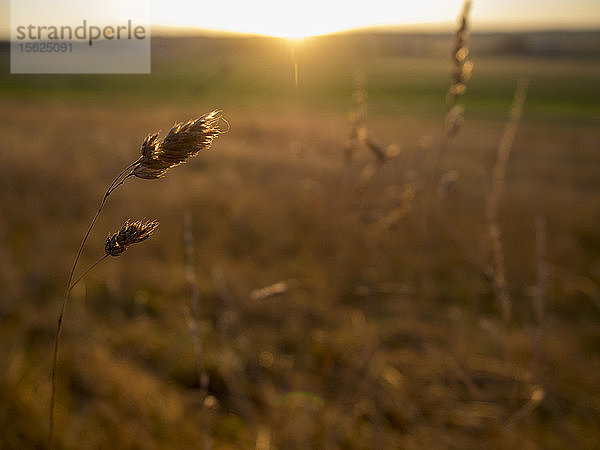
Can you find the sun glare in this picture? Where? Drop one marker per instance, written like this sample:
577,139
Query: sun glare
287,28
296,19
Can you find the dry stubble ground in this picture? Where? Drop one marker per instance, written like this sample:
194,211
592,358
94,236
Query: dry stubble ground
386,337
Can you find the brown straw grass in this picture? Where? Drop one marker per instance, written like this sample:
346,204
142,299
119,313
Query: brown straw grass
130,233
192,316
184,141
462,68
357,117
359,133
498,269
539,293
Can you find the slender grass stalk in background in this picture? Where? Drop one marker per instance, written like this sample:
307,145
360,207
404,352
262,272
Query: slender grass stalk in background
359,133
192,315
357,116
462,68
461,65
537,391
498,269
182,142
193,312
539,295
360,136
539,307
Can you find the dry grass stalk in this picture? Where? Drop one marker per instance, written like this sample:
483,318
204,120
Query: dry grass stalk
359,133
182,142
539,304
357,117
462,68
539,295
228,325
130,233
192,314
495,196
118,181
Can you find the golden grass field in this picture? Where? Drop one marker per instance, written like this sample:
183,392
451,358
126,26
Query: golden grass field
383,332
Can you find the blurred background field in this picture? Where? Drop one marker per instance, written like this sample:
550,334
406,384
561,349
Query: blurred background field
380,329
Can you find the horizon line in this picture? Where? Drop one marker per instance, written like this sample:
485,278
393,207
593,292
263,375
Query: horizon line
161,30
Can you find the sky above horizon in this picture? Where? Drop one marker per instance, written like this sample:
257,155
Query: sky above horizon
302,18
309,17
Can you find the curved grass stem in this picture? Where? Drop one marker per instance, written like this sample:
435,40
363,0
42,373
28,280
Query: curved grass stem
118,181
86,271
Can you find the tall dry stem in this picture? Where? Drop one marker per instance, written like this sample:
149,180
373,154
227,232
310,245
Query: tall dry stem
182,142
539,295
462,68
495,197
539,302
192,314
130,233
359,133
118,181
357,116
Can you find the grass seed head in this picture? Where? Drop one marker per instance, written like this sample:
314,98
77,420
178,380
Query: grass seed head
130,233
462,67
182,142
